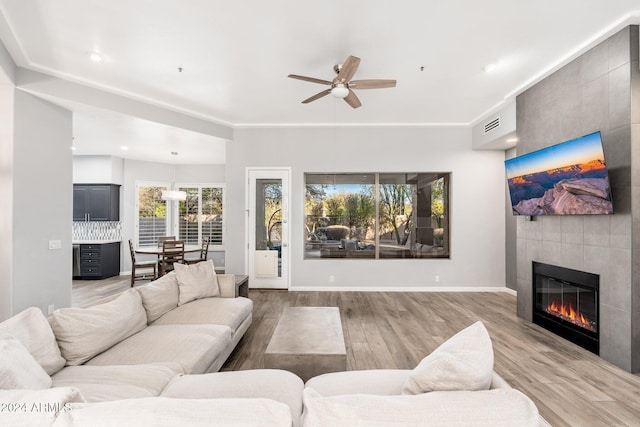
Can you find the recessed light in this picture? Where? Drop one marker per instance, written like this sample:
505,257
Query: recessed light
95,56
512,140
490,67
124,148
73,148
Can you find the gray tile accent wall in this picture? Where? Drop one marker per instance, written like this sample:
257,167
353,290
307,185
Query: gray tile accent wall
598,91
633,238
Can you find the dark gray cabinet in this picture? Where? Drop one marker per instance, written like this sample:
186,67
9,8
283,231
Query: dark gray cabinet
99,261
96,202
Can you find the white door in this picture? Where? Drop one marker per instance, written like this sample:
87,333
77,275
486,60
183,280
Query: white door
268,228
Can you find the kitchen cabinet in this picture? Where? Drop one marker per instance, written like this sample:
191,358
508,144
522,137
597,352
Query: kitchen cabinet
99,261
96,202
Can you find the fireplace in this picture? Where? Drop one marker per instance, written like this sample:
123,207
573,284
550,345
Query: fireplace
565,302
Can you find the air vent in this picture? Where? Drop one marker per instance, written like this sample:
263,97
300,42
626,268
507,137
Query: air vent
493,124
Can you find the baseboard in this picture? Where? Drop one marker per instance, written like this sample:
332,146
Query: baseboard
403,289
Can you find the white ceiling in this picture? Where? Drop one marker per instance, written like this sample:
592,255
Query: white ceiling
236,56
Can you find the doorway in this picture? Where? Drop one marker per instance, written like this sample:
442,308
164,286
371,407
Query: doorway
268,227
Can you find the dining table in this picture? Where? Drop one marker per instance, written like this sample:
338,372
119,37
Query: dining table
157,250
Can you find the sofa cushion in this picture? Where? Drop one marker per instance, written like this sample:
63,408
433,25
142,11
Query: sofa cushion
167,412
32,329
194,347
463,362
373,381
196,281
36,407
103,383
159,296
18,369
278,385
490,408
84,332
229,312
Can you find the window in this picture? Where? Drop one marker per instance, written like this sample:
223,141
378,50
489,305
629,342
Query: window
201,214
378,215
151,213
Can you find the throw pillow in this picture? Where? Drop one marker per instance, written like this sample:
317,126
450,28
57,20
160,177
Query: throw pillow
33,330
463,362
84,332
18,369
159,296
196,281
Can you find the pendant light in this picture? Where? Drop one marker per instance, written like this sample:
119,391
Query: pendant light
174,194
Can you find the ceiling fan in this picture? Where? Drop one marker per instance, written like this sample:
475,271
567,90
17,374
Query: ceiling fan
342,86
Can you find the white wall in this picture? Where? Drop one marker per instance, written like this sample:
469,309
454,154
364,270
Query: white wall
42,203
7,76
97,170
477,200
6,192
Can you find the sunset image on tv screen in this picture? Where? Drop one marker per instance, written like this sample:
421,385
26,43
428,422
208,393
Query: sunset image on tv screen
565,179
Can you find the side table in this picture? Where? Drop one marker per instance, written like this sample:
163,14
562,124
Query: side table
242,286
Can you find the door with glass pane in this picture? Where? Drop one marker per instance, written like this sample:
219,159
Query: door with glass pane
268,228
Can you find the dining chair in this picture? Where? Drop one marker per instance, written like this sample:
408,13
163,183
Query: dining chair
172,252
162,239
204,253
141,265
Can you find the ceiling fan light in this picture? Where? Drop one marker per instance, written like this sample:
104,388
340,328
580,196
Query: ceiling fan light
340,91
173,195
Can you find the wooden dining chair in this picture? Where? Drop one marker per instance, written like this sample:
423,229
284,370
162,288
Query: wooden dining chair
149,268
162,239
172,252
204,253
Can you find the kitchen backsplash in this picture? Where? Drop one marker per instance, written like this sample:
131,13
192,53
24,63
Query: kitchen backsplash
97,230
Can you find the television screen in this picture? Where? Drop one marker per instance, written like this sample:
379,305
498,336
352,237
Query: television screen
565,179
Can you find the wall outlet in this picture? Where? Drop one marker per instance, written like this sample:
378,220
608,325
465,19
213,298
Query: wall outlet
55,244
50,309
332,278
437,279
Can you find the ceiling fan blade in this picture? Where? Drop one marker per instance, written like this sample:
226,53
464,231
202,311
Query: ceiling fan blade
317,96
353,100
309,79
372,84
348,70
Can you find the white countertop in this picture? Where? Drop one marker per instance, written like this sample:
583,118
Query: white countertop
93,242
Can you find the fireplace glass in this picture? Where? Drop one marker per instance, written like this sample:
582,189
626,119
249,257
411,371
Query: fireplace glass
566,303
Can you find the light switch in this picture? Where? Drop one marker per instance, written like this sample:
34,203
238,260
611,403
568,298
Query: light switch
55,244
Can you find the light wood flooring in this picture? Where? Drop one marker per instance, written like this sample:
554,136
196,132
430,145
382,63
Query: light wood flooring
570,386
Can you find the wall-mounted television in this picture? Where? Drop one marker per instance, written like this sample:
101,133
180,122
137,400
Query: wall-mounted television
569,178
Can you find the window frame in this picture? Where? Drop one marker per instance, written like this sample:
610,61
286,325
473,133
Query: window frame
417,250
157,184
176,214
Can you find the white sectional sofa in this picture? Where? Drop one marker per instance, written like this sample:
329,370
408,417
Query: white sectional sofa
148,356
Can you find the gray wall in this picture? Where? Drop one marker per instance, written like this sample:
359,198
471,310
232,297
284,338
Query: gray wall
477,200
591,93
42,204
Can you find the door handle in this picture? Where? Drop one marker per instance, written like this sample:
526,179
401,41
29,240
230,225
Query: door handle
284,245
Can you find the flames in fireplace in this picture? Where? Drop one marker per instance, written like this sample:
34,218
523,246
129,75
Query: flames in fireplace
568,313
